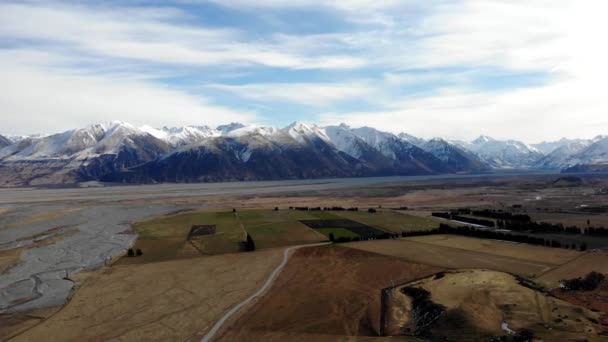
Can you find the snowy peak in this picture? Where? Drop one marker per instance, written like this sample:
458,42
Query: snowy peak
411,139
482,139
250,130
4,141
345,140
504,153
224,129
546,147
303,133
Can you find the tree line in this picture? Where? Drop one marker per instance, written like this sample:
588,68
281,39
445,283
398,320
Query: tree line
469,232
518,223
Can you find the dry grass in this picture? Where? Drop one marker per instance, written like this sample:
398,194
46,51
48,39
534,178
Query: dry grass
581,266
331,293
168,301
478,301
451,257
553,256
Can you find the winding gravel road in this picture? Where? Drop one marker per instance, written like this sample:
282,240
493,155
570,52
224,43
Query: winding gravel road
271,278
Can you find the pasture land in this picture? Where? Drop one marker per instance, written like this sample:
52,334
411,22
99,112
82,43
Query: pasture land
166,237
581,266
552,256
391,221
270,228
167,301
453,258
338,232
329,292
478,302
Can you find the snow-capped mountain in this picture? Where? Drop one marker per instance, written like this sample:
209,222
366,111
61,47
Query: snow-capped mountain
250,153
596,152
411,139
546,147
4,141
404,156
179,136
504,154
120,152
78,154
224,129
455,157
561,156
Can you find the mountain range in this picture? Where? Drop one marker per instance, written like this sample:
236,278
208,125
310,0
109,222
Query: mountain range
119,152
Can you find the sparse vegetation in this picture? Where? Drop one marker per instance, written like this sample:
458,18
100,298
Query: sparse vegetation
588,283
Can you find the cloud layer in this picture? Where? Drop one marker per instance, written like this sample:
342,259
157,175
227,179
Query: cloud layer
531,70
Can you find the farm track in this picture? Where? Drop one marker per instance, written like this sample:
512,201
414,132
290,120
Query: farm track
271,278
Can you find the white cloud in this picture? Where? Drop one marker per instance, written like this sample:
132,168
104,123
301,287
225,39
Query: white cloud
309,94
532,114
391,44
38,100
154,36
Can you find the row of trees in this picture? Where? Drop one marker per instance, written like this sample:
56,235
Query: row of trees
518,223
343,239
455,216
329,209
501,215
133,253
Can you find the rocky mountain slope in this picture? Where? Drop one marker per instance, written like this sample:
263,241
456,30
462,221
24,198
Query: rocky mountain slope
120,152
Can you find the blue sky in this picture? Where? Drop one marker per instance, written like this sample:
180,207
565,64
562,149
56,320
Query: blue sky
531,70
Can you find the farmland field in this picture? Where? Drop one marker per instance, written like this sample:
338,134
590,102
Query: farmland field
553,256
392,221
454,258
338,232
167,301
166,237
329,292
276,228
478,302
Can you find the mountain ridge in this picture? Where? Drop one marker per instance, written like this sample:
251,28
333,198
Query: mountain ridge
120,152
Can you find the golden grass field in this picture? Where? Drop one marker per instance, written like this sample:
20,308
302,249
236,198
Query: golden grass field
453,253
477,302
329,293
167,301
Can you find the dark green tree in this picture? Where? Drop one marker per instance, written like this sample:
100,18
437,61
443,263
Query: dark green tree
331,237
249,244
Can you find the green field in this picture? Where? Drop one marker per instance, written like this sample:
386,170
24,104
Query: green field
270,228
338,232
390,220
165,237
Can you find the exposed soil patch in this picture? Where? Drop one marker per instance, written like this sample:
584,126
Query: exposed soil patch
201,230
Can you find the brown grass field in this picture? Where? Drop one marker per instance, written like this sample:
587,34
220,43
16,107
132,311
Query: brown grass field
166,301
581,266
477,302
455,257
327,293
553,256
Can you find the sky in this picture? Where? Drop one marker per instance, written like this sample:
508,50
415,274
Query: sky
530,70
